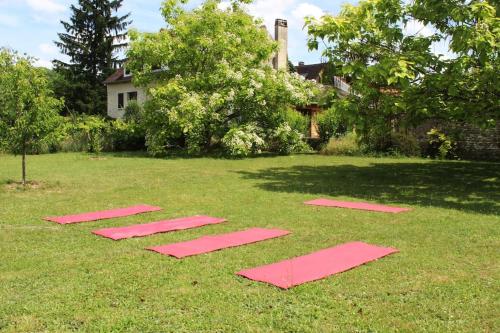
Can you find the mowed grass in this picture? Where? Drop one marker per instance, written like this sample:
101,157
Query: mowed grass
62,278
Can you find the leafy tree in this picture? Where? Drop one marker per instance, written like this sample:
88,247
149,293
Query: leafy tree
94,35
29,113
366,43
207,73
466,88
397,80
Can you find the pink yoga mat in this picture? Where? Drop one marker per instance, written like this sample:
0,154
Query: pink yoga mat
103,215
141,230
208,244
318,265
356,205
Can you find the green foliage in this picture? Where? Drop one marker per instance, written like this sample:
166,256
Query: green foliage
29,114
286,140
466,88
125,136
215,77
440,145
395,143
404,144
242,141
133,112
52,144
80,96
331,124
366,43
397,80
297,121
344,145
93,130
129,134
94,35
94,134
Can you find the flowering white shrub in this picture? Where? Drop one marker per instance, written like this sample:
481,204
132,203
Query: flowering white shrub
222,88
286,140
242,141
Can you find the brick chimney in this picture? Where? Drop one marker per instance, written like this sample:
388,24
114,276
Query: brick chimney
281,36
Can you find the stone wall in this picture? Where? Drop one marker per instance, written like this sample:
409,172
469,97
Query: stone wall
472,142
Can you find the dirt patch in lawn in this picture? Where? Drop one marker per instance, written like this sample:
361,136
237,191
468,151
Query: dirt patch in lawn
12,185
98,158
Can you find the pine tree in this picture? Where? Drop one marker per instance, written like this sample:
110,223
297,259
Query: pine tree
94,36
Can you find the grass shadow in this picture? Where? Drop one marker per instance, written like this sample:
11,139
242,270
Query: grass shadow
467,186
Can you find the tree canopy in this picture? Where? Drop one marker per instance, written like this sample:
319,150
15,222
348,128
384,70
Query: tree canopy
209,71
397,79
468,84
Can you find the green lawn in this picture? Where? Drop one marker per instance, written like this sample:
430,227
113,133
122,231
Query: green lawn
63,278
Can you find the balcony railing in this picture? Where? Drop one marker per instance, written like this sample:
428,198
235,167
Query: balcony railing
341,85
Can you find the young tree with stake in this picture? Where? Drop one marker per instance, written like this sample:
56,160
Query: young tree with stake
29,113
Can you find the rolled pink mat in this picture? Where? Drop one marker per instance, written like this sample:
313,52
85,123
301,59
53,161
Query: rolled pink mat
141,230
103,215
208,244
317,265
357,205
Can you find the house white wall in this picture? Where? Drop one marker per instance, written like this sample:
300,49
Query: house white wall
114,89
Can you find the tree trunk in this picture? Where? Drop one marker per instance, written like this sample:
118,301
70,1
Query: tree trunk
24,166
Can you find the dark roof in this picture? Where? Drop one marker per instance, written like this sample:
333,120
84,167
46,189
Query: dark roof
311,72
118,77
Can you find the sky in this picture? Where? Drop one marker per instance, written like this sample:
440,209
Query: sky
31,26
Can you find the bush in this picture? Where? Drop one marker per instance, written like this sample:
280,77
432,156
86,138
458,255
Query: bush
125,136
345,145
74,142
297,121
92,134
133,112
285,140
440,145
242,141
85,133
93,130
330,125
384,141
404,144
